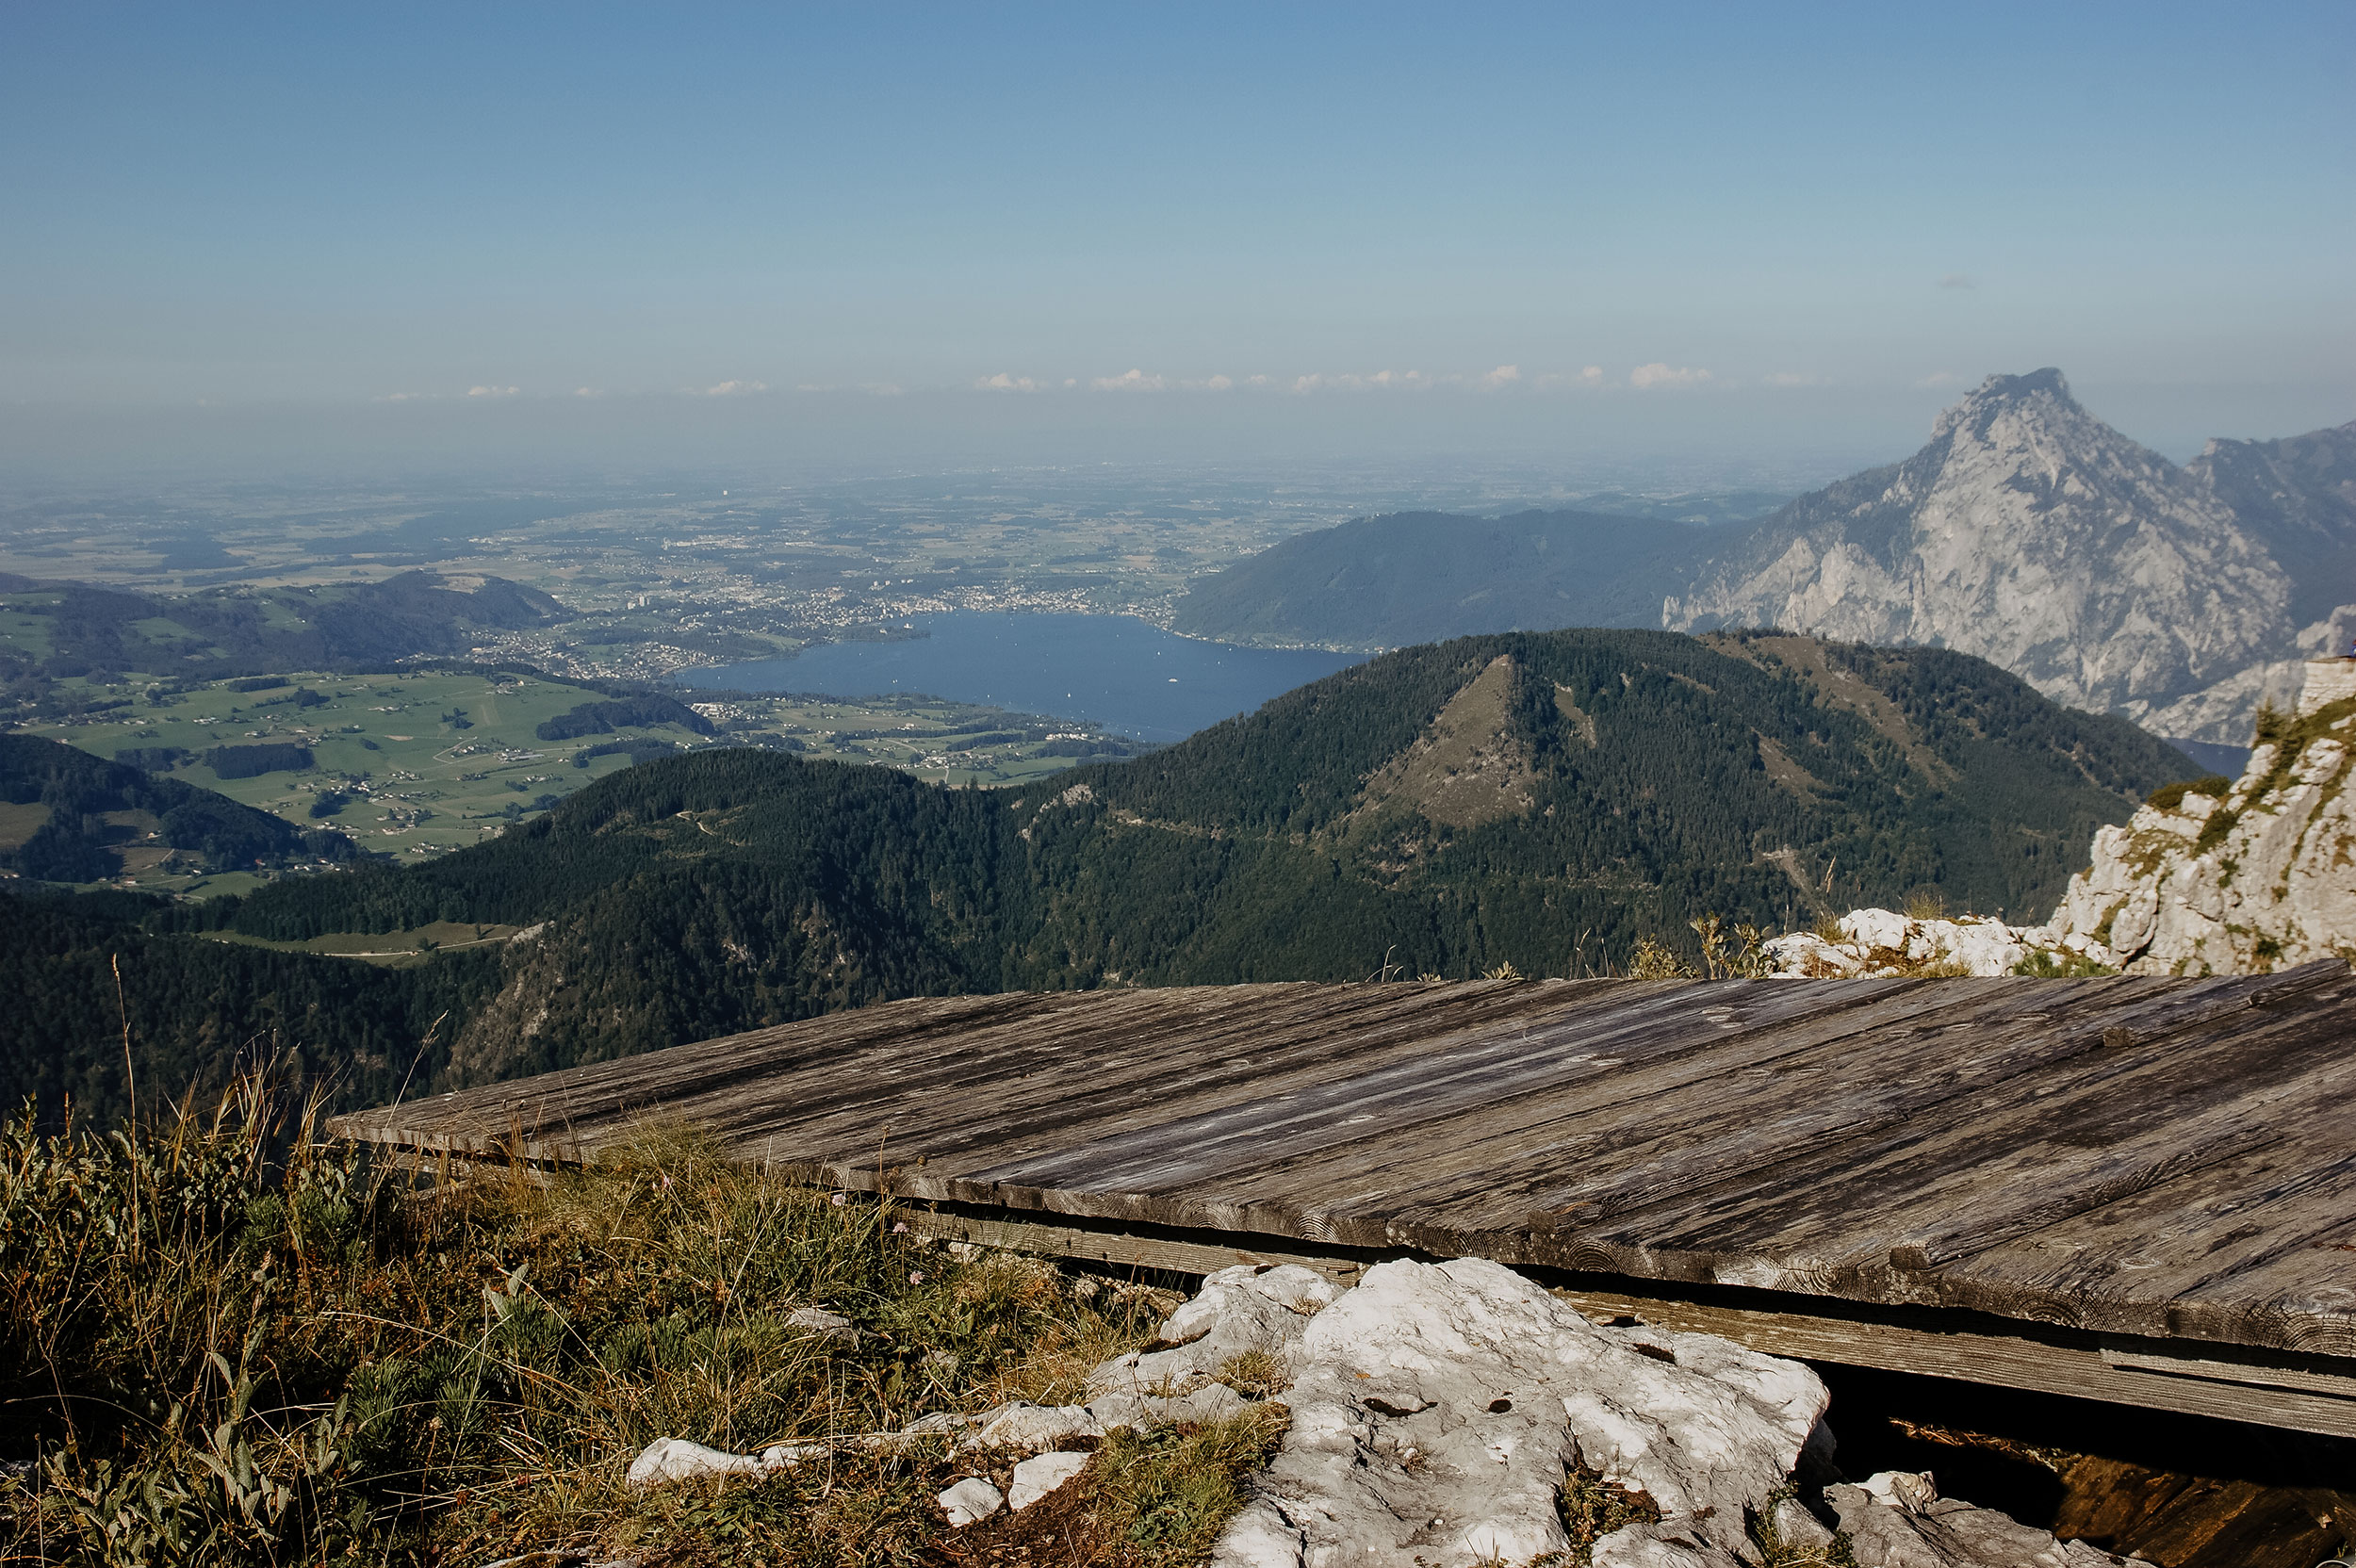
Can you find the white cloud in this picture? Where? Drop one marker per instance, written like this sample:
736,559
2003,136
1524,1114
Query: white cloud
490,391
1592,376
1132,380
1256,380
1005,383
403,397
1348,380
1940,377
735,389
587,392
1792,378
872,388
1658,374
1216,384
1504,375
1959,279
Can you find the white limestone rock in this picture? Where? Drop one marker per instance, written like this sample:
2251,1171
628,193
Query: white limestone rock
939,1422
1031,1427
1438,1409
1042,1474
1798,1530
2274,888
669,1460
827,1325
1142,1413
1239,1311
970,1502
1882,942
1898,1520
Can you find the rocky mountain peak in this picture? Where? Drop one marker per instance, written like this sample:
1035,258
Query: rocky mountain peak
2045,391
2029,532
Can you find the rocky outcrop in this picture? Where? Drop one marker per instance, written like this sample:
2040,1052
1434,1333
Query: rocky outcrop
1438,1412
2032,535
1456,1416
2244,877
1883,942
1897,1519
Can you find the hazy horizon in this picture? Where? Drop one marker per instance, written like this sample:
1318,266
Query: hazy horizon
439,239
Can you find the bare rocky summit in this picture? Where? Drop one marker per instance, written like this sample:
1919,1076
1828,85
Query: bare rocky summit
2031,533
2255,874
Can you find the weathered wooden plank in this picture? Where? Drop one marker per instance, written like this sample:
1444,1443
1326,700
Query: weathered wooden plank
1945,1111
1582,1124
2116,1370
1454,1074
2151,1377
1141,1075
1126,1250
2125,1120
1876,1139
2133,1264
1635,1126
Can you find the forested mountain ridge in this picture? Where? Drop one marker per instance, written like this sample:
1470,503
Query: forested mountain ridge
1423,576
73,628
67,816
1537,799
2298,498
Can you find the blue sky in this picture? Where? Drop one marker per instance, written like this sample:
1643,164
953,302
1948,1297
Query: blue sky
1662,225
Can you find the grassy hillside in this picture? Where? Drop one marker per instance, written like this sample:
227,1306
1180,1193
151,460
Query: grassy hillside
1538,800
1419,577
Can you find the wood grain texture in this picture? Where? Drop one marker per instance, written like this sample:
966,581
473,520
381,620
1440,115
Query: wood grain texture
2173,1159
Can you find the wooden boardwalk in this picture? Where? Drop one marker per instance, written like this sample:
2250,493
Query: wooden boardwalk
2123,1170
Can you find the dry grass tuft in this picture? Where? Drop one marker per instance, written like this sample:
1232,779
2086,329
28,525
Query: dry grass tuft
225,1342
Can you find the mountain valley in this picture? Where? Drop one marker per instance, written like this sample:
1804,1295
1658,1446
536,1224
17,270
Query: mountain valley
1532,801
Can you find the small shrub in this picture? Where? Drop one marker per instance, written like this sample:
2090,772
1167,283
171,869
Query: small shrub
2169,796
1257,1374
1653,961
1165,1496
1592,1508
2042,965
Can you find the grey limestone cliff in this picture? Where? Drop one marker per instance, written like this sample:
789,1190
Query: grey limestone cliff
2032,535
2245,876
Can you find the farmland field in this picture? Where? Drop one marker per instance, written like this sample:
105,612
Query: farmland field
419,763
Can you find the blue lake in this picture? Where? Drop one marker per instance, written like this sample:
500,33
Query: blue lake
1124,674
